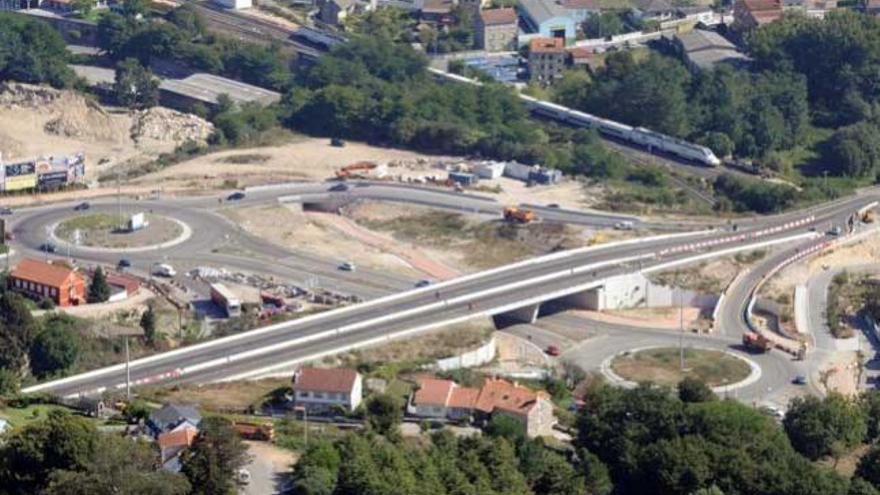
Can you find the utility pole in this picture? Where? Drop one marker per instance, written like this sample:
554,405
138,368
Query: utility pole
681,329
118,198
127,372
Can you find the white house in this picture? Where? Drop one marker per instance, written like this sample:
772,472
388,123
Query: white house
321,389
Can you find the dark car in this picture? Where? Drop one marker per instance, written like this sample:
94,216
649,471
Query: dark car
800,380
553,205
423,283
552,350
82,206
48,247
339,143
339,187
5,210
236,196
123,263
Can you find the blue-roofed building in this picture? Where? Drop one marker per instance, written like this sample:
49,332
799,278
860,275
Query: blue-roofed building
548,18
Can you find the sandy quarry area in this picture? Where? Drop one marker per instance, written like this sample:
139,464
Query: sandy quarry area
41,121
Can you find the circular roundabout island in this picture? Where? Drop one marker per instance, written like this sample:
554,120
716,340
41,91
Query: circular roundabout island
108,231
661,366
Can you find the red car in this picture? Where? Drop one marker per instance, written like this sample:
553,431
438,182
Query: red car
552,350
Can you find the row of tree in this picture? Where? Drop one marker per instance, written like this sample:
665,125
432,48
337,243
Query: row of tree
32,52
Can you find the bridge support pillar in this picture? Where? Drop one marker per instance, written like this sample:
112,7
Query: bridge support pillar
525,314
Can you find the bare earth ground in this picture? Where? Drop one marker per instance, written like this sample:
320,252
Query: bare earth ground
41,121
219,397
662,318
287,225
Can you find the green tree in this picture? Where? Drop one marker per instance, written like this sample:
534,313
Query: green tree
859,486
214,458
10,383
854,151
597,479
32,51
503,426
827,427
868,467
870,401
603,25
17,331
188,20
317,470
148,324
99,289
32,453
384,413
118,467
83,7
692,389
135,86
55,350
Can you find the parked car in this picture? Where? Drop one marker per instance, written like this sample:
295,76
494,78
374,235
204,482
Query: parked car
553,205
624,225
552,350
123,264
341,187
243,477
423,283
48,247
82,206
800,380
236,196
339,143
5,210
348,266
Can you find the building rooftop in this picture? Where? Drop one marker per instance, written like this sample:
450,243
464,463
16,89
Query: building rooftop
208,87
506,396
325,379
546,45
495,17
49,274
705,49
542,10
433,392
176,414
179,437
762,5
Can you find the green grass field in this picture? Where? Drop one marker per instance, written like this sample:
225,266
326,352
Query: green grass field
661,366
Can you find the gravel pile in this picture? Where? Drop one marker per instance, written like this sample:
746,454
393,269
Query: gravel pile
165,125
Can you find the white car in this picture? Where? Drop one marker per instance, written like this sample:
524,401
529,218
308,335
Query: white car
348,266
243,477
163,270
625,225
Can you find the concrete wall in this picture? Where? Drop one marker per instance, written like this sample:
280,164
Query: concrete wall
513,348
636,291
482,355
74,31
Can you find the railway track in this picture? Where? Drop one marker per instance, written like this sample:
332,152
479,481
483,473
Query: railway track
253,30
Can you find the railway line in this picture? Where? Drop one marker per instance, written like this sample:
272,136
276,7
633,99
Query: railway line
253,30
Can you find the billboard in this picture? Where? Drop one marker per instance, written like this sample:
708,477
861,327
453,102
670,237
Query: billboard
46,172
137,222
20,182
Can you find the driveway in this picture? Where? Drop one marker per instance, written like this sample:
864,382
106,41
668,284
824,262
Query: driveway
269,467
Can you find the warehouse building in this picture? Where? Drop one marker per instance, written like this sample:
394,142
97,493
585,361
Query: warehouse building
547,18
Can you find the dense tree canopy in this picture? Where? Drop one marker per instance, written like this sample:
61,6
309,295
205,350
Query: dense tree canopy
32,51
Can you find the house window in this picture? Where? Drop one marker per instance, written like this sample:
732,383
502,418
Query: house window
303,394
318,395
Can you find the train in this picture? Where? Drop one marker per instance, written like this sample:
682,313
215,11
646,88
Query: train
653,141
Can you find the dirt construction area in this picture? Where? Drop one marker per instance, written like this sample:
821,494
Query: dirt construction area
42,121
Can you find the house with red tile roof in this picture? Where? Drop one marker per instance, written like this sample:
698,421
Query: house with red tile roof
446,399
173,442
496,30
320,390
53,280
750,14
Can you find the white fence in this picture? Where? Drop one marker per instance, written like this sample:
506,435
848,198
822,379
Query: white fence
482,355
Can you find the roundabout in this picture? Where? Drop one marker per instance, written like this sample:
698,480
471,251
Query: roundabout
110,232
721,370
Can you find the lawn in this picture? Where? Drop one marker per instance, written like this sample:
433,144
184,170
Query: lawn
25,415
661,366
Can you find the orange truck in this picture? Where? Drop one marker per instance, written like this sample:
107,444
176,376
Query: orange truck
358,169
254,431
756,342
513,214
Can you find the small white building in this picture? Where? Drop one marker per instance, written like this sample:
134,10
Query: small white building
235,4
321,389
489,170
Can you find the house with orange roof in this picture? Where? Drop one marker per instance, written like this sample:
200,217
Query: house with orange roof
437,398
750,14
173,443
51,280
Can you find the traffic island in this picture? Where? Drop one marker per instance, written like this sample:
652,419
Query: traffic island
108,231
662,366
